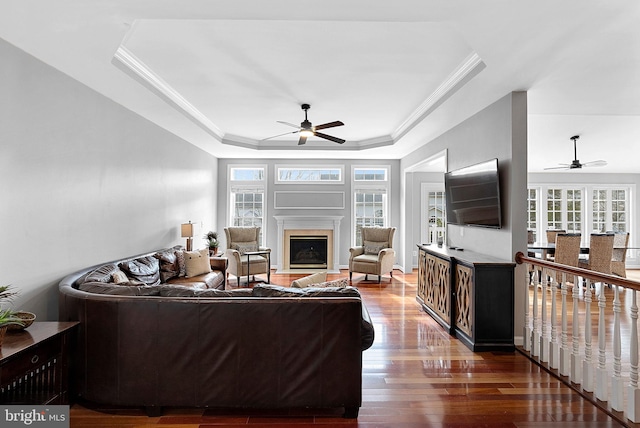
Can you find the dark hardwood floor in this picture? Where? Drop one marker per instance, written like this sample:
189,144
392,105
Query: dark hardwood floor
415,375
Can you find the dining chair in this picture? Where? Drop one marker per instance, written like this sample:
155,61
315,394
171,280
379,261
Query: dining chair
567,251
619,256
551,234
551,238
600,253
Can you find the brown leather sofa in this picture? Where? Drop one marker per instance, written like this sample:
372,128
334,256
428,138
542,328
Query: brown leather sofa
265,347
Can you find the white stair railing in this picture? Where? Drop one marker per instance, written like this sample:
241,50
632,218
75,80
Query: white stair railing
609,378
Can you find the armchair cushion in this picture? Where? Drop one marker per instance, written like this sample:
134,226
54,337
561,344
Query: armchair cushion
245,247
373,247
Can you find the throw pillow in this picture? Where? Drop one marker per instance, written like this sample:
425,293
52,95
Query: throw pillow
102,274
309,281
197,262
340,282
119,277
245,247
182,267
169,267
373,248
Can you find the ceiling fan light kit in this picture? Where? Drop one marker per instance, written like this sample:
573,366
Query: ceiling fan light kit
306,129
575,163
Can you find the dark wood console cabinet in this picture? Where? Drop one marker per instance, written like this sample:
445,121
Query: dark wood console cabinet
34,364
470,294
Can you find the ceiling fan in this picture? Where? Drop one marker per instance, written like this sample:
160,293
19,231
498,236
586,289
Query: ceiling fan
306,129
575,164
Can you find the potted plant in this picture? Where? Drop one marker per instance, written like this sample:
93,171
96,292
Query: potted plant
7,316
212,242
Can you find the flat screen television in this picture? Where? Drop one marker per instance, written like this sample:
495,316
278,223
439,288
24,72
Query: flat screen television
473,195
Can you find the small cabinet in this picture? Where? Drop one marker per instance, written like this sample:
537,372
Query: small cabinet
434,288
34,364
469,294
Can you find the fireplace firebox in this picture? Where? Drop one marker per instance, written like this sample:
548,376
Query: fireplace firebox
308,252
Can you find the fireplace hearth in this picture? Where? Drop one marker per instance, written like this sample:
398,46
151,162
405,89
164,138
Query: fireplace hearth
308,252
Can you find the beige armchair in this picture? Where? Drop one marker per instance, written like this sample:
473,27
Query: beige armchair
376,255
242,243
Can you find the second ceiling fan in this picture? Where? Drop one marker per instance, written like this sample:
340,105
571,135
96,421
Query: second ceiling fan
575,164
306,129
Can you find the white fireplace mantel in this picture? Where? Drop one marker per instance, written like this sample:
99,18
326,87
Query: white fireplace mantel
301,222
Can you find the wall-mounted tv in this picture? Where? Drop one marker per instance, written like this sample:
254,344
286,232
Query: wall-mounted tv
473,195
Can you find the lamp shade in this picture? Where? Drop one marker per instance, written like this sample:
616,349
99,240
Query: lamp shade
187,230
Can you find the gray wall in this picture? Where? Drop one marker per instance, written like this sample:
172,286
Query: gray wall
346,225
498,131
83,180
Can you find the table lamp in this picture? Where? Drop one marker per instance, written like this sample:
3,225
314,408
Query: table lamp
187,232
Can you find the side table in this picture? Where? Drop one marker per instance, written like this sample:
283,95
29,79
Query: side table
34,364
258,253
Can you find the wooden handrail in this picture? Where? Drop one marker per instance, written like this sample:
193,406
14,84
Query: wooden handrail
585,273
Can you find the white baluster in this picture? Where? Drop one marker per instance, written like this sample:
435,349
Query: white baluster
564,335
617,385
602,378
544,343
536,327
587,364
633,393
554,348
527,333
575,373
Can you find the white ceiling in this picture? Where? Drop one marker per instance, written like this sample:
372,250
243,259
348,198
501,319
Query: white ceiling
220,74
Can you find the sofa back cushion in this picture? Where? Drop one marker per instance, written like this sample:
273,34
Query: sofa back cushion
144,269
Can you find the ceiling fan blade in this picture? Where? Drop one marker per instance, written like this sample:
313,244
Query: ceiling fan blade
329,125
288,124
302,140
595,163
280,135
329,137
559,167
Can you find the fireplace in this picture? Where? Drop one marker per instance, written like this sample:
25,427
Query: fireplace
315,227
308,252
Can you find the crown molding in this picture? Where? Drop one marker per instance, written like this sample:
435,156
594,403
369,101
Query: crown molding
469,68
135,67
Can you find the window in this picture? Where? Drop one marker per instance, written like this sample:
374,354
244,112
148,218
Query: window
309,175
585,210
532,213
370,174
370,204
246,196
433,222
609,210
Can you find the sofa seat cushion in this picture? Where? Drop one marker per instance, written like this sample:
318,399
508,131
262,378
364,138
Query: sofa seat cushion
135,289
213,279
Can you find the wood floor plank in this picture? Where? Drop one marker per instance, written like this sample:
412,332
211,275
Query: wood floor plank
414,375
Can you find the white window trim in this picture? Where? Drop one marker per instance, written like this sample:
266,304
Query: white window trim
587,200
314,167
249,184
425,188
369,185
